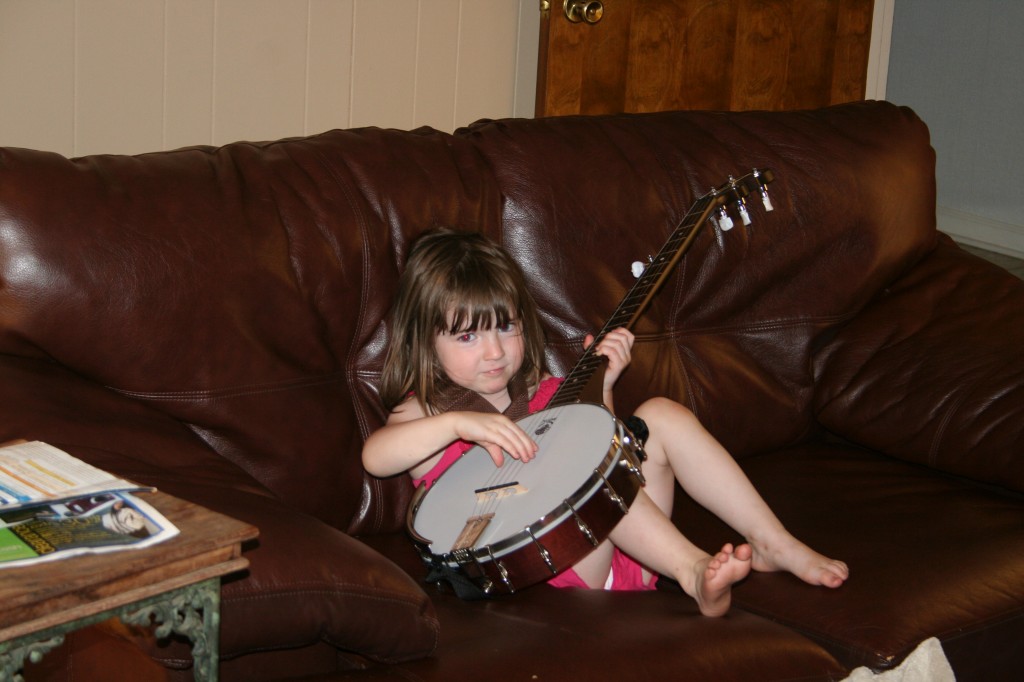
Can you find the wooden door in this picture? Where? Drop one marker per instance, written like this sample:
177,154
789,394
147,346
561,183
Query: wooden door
655,55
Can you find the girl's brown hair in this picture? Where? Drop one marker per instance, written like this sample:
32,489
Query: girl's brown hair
454,282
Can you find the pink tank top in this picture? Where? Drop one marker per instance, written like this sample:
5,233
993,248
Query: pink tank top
457,449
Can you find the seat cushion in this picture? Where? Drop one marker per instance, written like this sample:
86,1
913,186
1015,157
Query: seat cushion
894,524
545,633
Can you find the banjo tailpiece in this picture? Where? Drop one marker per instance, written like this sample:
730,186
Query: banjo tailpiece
475,525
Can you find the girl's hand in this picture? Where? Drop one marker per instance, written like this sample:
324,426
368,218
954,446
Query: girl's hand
495,433
617,346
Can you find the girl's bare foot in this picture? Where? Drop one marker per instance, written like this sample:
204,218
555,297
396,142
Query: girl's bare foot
794,556
716,575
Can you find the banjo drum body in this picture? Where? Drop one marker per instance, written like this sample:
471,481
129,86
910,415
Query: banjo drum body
506,528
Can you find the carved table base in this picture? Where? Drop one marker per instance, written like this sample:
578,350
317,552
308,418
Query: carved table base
192,611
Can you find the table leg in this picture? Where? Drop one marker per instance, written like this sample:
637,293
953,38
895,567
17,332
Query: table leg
192,611
14,654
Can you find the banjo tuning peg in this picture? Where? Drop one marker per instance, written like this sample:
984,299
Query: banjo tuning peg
724,220
741,209
762,183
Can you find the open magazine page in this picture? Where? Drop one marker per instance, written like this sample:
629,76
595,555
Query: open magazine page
35,472
91,524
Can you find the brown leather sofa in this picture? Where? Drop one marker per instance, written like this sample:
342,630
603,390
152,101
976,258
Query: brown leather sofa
210,321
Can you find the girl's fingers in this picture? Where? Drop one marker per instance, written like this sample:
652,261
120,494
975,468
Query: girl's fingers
615,352
513,440
620,339
498,435
496,454
524,447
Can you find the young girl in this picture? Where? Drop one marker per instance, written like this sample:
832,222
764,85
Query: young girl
467,360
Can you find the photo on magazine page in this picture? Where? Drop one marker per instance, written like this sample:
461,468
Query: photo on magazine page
94,523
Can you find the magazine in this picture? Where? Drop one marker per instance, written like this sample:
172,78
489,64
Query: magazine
32,472
53,506
104,522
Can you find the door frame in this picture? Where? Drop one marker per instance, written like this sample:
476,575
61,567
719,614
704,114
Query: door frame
878,56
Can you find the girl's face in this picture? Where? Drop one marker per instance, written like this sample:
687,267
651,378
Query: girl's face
483,361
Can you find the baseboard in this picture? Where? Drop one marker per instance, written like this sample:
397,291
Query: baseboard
981,232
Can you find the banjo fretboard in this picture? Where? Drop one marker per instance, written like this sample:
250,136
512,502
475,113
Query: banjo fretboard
733,193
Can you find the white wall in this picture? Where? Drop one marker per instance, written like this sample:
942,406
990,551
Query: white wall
959,65
126,76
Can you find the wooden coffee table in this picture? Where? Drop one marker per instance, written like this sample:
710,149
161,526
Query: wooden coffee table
175,584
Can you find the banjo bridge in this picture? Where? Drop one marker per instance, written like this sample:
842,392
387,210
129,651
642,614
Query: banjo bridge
496,492
475,525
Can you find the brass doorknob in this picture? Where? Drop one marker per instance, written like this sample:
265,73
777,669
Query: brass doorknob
582,10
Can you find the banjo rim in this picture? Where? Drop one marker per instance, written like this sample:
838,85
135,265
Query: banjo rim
622,451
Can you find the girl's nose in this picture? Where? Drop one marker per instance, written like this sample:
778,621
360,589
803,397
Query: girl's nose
493,348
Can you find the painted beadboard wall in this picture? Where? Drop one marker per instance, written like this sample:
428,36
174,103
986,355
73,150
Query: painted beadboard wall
128,76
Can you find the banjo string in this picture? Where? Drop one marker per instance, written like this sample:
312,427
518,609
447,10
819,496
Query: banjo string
501,476
508,473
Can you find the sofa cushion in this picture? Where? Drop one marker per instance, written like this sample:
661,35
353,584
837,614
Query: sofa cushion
928,376
307,584
546,633
929,555
239,290
732,331
316,583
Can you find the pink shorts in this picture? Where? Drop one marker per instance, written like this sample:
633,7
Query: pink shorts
627,575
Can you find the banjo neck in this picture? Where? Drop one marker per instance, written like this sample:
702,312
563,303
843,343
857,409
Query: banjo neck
584,381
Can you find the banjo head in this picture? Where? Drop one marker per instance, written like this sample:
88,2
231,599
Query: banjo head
579,444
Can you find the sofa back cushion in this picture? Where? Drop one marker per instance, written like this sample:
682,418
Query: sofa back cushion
240,289
732,331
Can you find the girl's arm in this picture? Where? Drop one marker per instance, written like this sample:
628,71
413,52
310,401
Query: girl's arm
413,441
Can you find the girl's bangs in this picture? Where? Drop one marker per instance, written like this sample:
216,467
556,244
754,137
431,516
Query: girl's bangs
478,311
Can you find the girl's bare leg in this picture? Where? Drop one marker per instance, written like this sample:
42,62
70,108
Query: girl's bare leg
647,535
680,449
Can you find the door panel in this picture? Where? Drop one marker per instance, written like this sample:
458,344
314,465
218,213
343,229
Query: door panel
651,55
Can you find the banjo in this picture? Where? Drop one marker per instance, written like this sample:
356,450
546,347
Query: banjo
494,530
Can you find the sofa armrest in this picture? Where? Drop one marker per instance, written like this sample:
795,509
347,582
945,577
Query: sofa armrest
42,400
307,584
932,372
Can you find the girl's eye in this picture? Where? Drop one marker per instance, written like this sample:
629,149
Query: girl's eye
464,338
509,326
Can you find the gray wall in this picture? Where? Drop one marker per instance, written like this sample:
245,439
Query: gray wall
960,65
